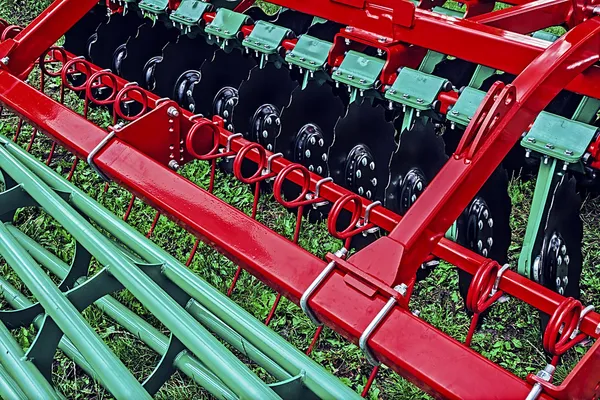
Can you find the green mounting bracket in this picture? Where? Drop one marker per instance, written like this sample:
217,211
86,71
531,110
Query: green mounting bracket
452,233
536,214
359,71
416,89
266,39
189,14
154,7
466,106
558,137
226,25
309,53
547,36
480,75
431,60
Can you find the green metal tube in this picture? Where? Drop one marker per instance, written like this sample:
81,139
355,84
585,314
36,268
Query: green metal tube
153,338
28,377
9,390
196,338
109,368
17,300
319,380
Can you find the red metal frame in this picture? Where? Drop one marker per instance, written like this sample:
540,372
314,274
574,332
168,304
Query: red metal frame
410,346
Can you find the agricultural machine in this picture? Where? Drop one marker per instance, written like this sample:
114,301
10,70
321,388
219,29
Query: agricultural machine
394,122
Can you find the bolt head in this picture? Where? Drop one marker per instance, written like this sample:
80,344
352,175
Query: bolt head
372,166
265,134
490,242
361,190
480,225
374,181
369,194
491,223
307,153
5,60
324,157
321,142
173,112
358,173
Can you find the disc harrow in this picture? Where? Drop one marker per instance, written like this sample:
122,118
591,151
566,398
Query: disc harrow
394,125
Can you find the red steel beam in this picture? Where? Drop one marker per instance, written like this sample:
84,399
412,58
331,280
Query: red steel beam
529,17
415,349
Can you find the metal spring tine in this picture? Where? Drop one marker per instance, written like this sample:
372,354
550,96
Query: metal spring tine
129,208
18,130
72,170
192,253
32,139
370,381
51,155
154,222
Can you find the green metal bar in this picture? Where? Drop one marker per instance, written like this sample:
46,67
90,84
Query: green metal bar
109,368
9,390
121,314
318,380
536,214
17,300
28,377
196,338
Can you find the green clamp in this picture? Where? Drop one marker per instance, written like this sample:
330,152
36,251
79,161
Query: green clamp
466,106
154,7
416,89
189,14
266,37
558,137
309,53
359,71
227,24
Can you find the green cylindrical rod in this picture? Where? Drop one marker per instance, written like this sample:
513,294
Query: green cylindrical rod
154,339
28,377
109,368
9,390
235,374
320,381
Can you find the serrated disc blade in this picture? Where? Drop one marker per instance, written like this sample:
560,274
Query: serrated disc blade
419,157
364,127
297,22
109,36
265,86
147,43
307,125
76,38
184,55
223,70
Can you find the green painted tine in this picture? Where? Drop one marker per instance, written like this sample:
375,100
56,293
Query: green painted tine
196,338
115,376
23,371
317,379
9,390
153,338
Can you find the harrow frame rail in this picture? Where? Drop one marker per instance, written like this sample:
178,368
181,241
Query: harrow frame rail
404,342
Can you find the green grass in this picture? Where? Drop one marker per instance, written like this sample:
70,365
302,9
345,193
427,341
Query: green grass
509,336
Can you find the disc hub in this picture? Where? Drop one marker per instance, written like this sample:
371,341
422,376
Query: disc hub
412,186
310,148
184,89
224,103
361,174
480,227
551,267
266,125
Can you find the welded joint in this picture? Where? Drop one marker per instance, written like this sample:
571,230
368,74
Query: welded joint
364,338
315,284
98,148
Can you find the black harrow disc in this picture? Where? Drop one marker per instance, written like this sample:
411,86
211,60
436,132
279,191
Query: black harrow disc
178,69
360,157
484,225
307,125
558,258
110,36
76,38
145,45
419,158
220,77
261,99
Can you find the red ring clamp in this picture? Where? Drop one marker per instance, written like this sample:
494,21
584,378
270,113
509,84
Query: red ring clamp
259,175
52,51
353,227
558,337
122,95
98,76
73,63
302,199
200,127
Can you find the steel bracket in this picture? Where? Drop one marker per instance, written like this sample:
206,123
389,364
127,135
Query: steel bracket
558,137
416,89
189,14
359,71
466,106
266,37
155,7
227,24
